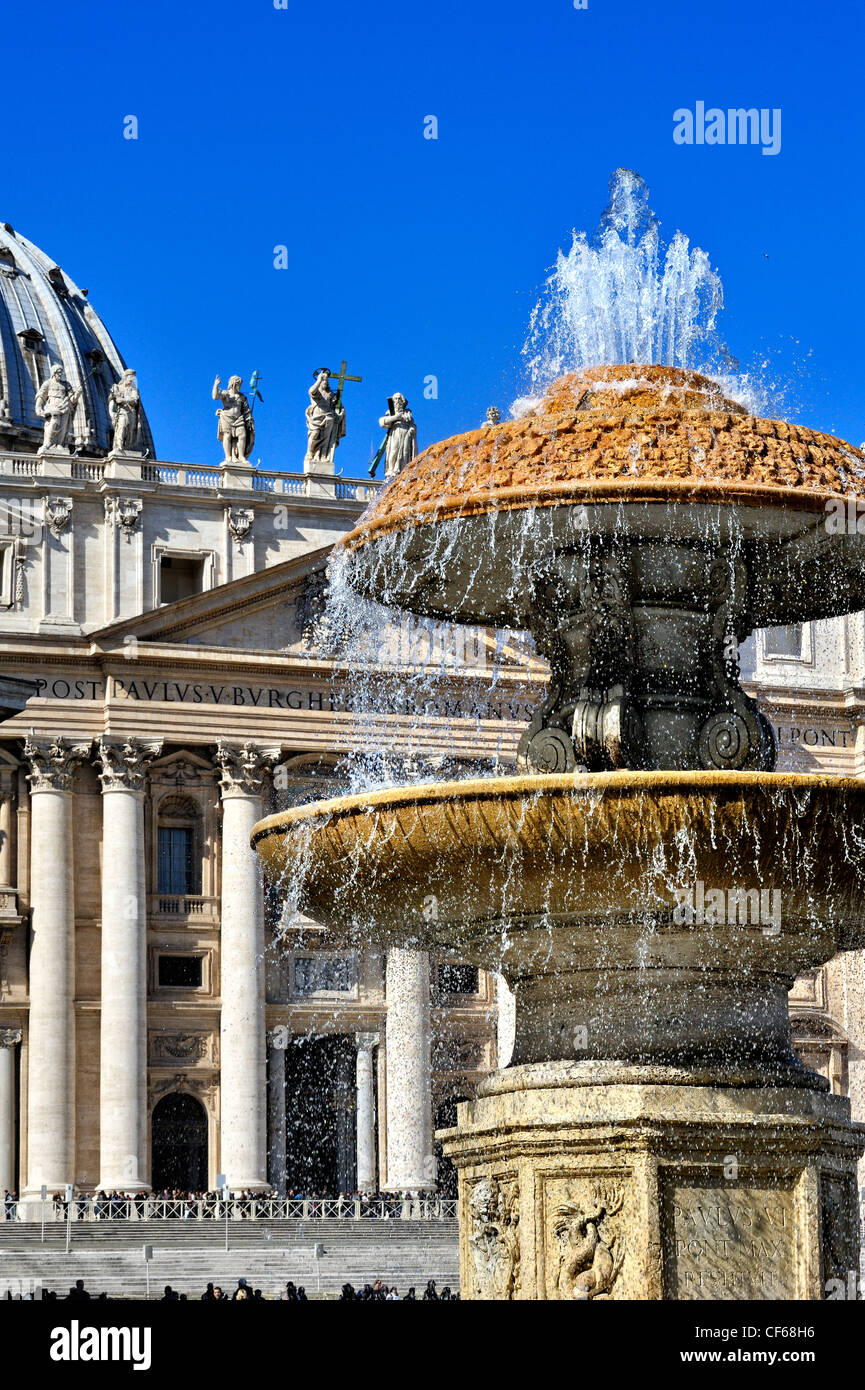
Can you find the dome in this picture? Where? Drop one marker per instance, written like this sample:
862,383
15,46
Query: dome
46,319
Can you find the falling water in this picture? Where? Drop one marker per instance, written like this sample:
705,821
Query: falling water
621,297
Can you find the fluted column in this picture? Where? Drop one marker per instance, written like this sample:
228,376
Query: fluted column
410,1159
243,1076
9,1039
276,1041
365,1113
123,1029
51,1032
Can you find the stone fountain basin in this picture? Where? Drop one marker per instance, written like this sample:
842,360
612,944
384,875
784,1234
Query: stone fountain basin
568,884
438,565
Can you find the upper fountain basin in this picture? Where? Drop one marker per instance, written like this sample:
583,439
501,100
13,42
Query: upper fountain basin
646,454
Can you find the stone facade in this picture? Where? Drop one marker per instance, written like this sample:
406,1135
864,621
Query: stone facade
129,718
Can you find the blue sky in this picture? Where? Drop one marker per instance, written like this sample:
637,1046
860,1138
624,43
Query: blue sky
410,257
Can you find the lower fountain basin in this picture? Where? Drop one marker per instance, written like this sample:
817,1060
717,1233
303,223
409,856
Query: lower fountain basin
642,917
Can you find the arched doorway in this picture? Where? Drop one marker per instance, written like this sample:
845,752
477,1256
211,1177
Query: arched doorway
179,1144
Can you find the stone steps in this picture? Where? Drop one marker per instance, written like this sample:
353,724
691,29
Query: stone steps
187,1255
25,1236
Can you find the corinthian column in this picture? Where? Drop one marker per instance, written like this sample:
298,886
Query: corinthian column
51,1033
9,1039
243,1068
123,1028
410,1159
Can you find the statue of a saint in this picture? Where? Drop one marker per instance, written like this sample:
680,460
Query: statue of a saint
124,407
236,421
325,419
401,445
55,404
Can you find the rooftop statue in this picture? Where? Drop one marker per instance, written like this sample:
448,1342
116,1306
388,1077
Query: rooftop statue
55,404
401,442
124,407
236,423
325,419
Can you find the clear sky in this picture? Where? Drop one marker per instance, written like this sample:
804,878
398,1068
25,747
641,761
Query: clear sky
304,127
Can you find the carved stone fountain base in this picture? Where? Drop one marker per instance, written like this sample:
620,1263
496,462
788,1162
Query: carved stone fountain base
582,1180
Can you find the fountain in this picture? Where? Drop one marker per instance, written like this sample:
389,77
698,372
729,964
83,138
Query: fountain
647,883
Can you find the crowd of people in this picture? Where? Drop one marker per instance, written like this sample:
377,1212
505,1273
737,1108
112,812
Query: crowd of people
377,1292
175,1203
380,1293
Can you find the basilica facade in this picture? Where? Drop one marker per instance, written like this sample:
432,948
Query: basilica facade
160,1023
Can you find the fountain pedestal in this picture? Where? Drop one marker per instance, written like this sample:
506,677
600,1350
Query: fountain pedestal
578,1180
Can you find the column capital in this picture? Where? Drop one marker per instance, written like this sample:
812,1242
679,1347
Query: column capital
365,1042
243,766
123,762
10,1037
53,761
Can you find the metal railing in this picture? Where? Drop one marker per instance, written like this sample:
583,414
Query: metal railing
244,1208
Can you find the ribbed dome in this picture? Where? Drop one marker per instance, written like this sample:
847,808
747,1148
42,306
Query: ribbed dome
46,319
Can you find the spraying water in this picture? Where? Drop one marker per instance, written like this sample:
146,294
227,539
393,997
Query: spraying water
623,297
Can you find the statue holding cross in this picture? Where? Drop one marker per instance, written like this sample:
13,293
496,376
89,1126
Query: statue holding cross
325,416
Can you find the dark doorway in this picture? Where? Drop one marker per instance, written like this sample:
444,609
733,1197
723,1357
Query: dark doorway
179,1144
446,1173
320,1115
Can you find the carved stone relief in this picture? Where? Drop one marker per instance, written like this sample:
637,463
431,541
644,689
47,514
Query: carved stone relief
585,1238
494,1238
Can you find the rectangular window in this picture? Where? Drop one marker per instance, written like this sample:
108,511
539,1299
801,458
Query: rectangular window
458,979
179,577
786,641
175,860
180,972
324,974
